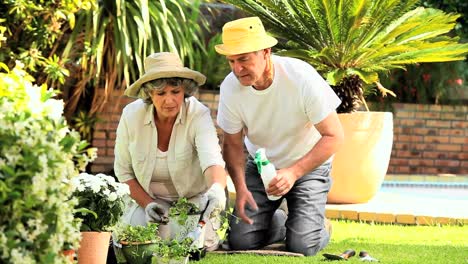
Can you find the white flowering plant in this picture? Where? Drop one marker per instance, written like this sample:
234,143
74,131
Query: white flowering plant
39,155
100,201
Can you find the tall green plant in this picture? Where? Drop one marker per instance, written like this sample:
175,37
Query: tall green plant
212,64
109,43
350,42
39,155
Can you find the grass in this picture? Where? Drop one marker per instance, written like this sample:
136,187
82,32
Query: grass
387,243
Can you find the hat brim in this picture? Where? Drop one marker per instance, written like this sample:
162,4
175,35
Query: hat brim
228,50
134,89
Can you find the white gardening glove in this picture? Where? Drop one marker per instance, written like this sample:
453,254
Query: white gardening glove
216,202
155,213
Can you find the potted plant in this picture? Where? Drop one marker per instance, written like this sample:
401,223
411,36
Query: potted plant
350,44
138,242
183,218
173,251
100,206
142,244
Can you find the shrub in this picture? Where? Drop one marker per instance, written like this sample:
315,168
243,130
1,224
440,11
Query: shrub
39,155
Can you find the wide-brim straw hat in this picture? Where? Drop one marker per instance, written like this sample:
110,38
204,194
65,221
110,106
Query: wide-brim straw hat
244,35
163,65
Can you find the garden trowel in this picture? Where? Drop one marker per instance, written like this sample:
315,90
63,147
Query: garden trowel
196,233
343,256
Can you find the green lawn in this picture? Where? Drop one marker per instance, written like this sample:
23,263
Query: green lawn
388,243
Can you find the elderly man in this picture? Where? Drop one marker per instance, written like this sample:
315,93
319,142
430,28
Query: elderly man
283,105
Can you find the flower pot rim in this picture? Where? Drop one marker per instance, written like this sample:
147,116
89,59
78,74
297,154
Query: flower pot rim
134,243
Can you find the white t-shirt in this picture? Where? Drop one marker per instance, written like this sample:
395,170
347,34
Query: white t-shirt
281,117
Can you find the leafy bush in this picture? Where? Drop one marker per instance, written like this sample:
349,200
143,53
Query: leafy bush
212,64
429,83
34,31
39,155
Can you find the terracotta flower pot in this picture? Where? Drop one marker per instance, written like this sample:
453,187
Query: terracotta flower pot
93,247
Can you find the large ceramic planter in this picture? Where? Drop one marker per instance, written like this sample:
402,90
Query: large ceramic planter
360,165
138,253
93,247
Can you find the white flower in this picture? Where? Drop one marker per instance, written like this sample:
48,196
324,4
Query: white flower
95,186
35,105
63,132
54,108
75,183
112,197
123,189
106,192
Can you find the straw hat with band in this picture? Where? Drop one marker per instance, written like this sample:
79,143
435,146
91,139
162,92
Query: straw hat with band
163,65
244,35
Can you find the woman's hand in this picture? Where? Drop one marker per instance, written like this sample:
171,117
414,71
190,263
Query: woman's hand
216,202
155,213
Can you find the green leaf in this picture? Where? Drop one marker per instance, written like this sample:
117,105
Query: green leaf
334,77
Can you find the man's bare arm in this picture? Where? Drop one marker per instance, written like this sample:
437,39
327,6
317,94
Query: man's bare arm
233,154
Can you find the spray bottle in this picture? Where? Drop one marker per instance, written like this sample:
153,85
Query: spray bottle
266,170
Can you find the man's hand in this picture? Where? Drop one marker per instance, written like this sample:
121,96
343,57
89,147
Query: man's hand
155,213
282,183
243,197
216,202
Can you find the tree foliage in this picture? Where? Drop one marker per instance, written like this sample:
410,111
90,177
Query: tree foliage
355,40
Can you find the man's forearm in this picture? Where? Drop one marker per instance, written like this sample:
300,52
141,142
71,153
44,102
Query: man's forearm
234,156
322,151
332,139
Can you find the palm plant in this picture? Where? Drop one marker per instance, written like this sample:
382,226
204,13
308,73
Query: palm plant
351,41
109,43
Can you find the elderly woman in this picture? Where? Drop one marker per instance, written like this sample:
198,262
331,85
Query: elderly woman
167,147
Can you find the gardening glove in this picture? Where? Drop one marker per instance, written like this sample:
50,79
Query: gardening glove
155,213
216,202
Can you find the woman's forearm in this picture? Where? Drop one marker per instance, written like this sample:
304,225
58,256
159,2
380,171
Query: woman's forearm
216,174
138,193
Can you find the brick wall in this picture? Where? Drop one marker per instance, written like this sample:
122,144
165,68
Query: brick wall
104,132
428,139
